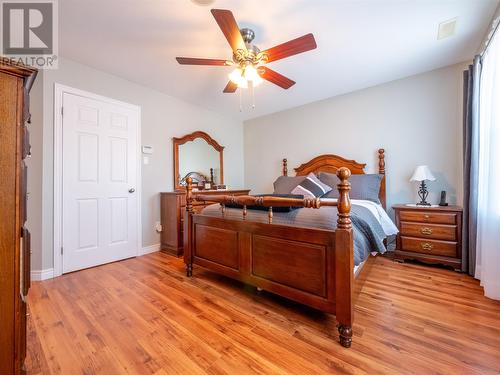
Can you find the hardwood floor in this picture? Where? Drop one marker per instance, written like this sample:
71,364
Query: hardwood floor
143,316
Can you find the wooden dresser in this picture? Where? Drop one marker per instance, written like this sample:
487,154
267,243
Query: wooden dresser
15,83
429,234
173,206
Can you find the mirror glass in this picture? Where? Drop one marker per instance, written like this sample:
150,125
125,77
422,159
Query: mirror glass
195,159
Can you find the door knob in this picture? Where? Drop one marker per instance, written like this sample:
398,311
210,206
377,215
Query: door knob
131,190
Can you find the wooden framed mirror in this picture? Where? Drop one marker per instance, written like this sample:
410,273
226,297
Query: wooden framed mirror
197,154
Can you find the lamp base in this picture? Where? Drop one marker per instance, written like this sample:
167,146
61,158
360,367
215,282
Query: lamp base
423,204
423,193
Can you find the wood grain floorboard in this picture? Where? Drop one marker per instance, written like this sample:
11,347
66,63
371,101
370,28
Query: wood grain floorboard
143,316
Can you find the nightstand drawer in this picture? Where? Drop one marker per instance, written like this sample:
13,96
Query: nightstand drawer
424,246
434,231
428,217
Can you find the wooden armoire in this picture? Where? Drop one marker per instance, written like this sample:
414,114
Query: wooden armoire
15,84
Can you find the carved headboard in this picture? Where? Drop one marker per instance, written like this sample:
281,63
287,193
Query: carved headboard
330,163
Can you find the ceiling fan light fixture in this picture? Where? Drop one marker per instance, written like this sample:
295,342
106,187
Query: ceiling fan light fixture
252,75
237,76
247,59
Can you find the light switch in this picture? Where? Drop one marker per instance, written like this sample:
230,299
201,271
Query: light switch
148,150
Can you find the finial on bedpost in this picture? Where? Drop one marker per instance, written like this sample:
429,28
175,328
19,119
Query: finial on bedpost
285,167
189,194
381,161
270,215
344,202
244,211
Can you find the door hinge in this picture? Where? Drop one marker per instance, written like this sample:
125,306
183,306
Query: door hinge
62,250
62,111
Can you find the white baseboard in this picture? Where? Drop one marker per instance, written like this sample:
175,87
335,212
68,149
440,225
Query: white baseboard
149,249
42,274
39,275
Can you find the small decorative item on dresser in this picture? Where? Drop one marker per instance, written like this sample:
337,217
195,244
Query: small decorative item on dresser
423,173
429,234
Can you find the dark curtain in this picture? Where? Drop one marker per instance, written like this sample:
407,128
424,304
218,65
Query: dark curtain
471,164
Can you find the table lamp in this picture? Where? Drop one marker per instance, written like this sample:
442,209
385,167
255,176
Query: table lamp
422,173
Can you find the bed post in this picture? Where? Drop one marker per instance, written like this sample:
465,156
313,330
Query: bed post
381,170
285,167
188,227
344,262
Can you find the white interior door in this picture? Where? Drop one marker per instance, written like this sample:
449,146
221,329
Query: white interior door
99,163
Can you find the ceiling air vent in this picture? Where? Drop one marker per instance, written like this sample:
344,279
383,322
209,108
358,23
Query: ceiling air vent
447,29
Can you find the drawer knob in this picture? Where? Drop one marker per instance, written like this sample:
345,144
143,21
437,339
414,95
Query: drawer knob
426,231
426,246
426,217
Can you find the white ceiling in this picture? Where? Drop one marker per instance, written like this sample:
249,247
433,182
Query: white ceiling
360,44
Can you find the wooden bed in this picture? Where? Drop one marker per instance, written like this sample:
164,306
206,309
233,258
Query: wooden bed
311,266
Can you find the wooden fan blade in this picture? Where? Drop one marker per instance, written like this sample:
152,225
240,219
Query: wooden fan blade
197,61
290,48
276,78
230,87
229,27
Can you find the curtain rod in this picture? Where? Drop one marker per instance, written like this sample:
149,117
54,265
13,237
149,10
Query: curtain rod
492,34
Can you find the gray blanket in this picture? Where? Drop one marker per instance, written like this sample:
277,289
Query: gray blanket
367,232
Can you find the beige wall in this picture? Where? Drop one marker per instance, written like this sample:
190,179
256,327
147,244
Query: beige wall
418,120
163,117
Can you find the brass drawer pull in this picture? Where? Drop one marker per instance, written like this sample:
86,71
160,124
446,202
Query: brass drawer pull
426,246
426,231
426,217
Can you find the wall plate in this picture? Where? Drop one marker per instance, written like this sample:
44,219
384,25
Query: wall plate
148,150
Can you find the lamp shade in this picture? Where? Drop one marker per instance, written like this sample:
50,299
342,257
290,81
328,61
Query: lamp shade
422,173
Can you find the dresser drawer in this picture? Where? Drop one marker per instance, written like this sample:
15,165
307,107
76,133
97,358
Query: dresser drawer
433,231
429,217
425,246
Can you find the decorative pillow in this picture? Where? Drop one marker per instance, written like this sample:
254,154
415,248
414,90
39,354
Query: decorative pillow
363,186
311,187
331,180
285,184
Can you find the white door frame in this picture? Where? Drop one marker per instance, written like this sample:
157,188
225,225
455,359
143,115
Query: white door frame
59,91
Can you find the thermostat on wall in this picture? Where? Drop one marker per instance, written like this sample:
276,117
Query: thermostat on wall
147,150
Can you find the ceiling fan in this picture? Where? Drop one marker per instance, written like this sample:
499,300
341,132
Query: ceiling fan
248,60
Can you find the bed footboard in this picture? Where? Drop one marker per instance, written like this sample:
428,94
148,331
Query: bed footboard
310,266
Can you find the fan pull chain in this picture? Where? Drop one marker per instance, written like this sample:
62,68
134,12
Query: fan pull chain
253,94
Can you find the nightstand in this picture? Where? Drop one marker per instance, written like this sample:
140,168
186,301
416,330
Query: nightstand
429,234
